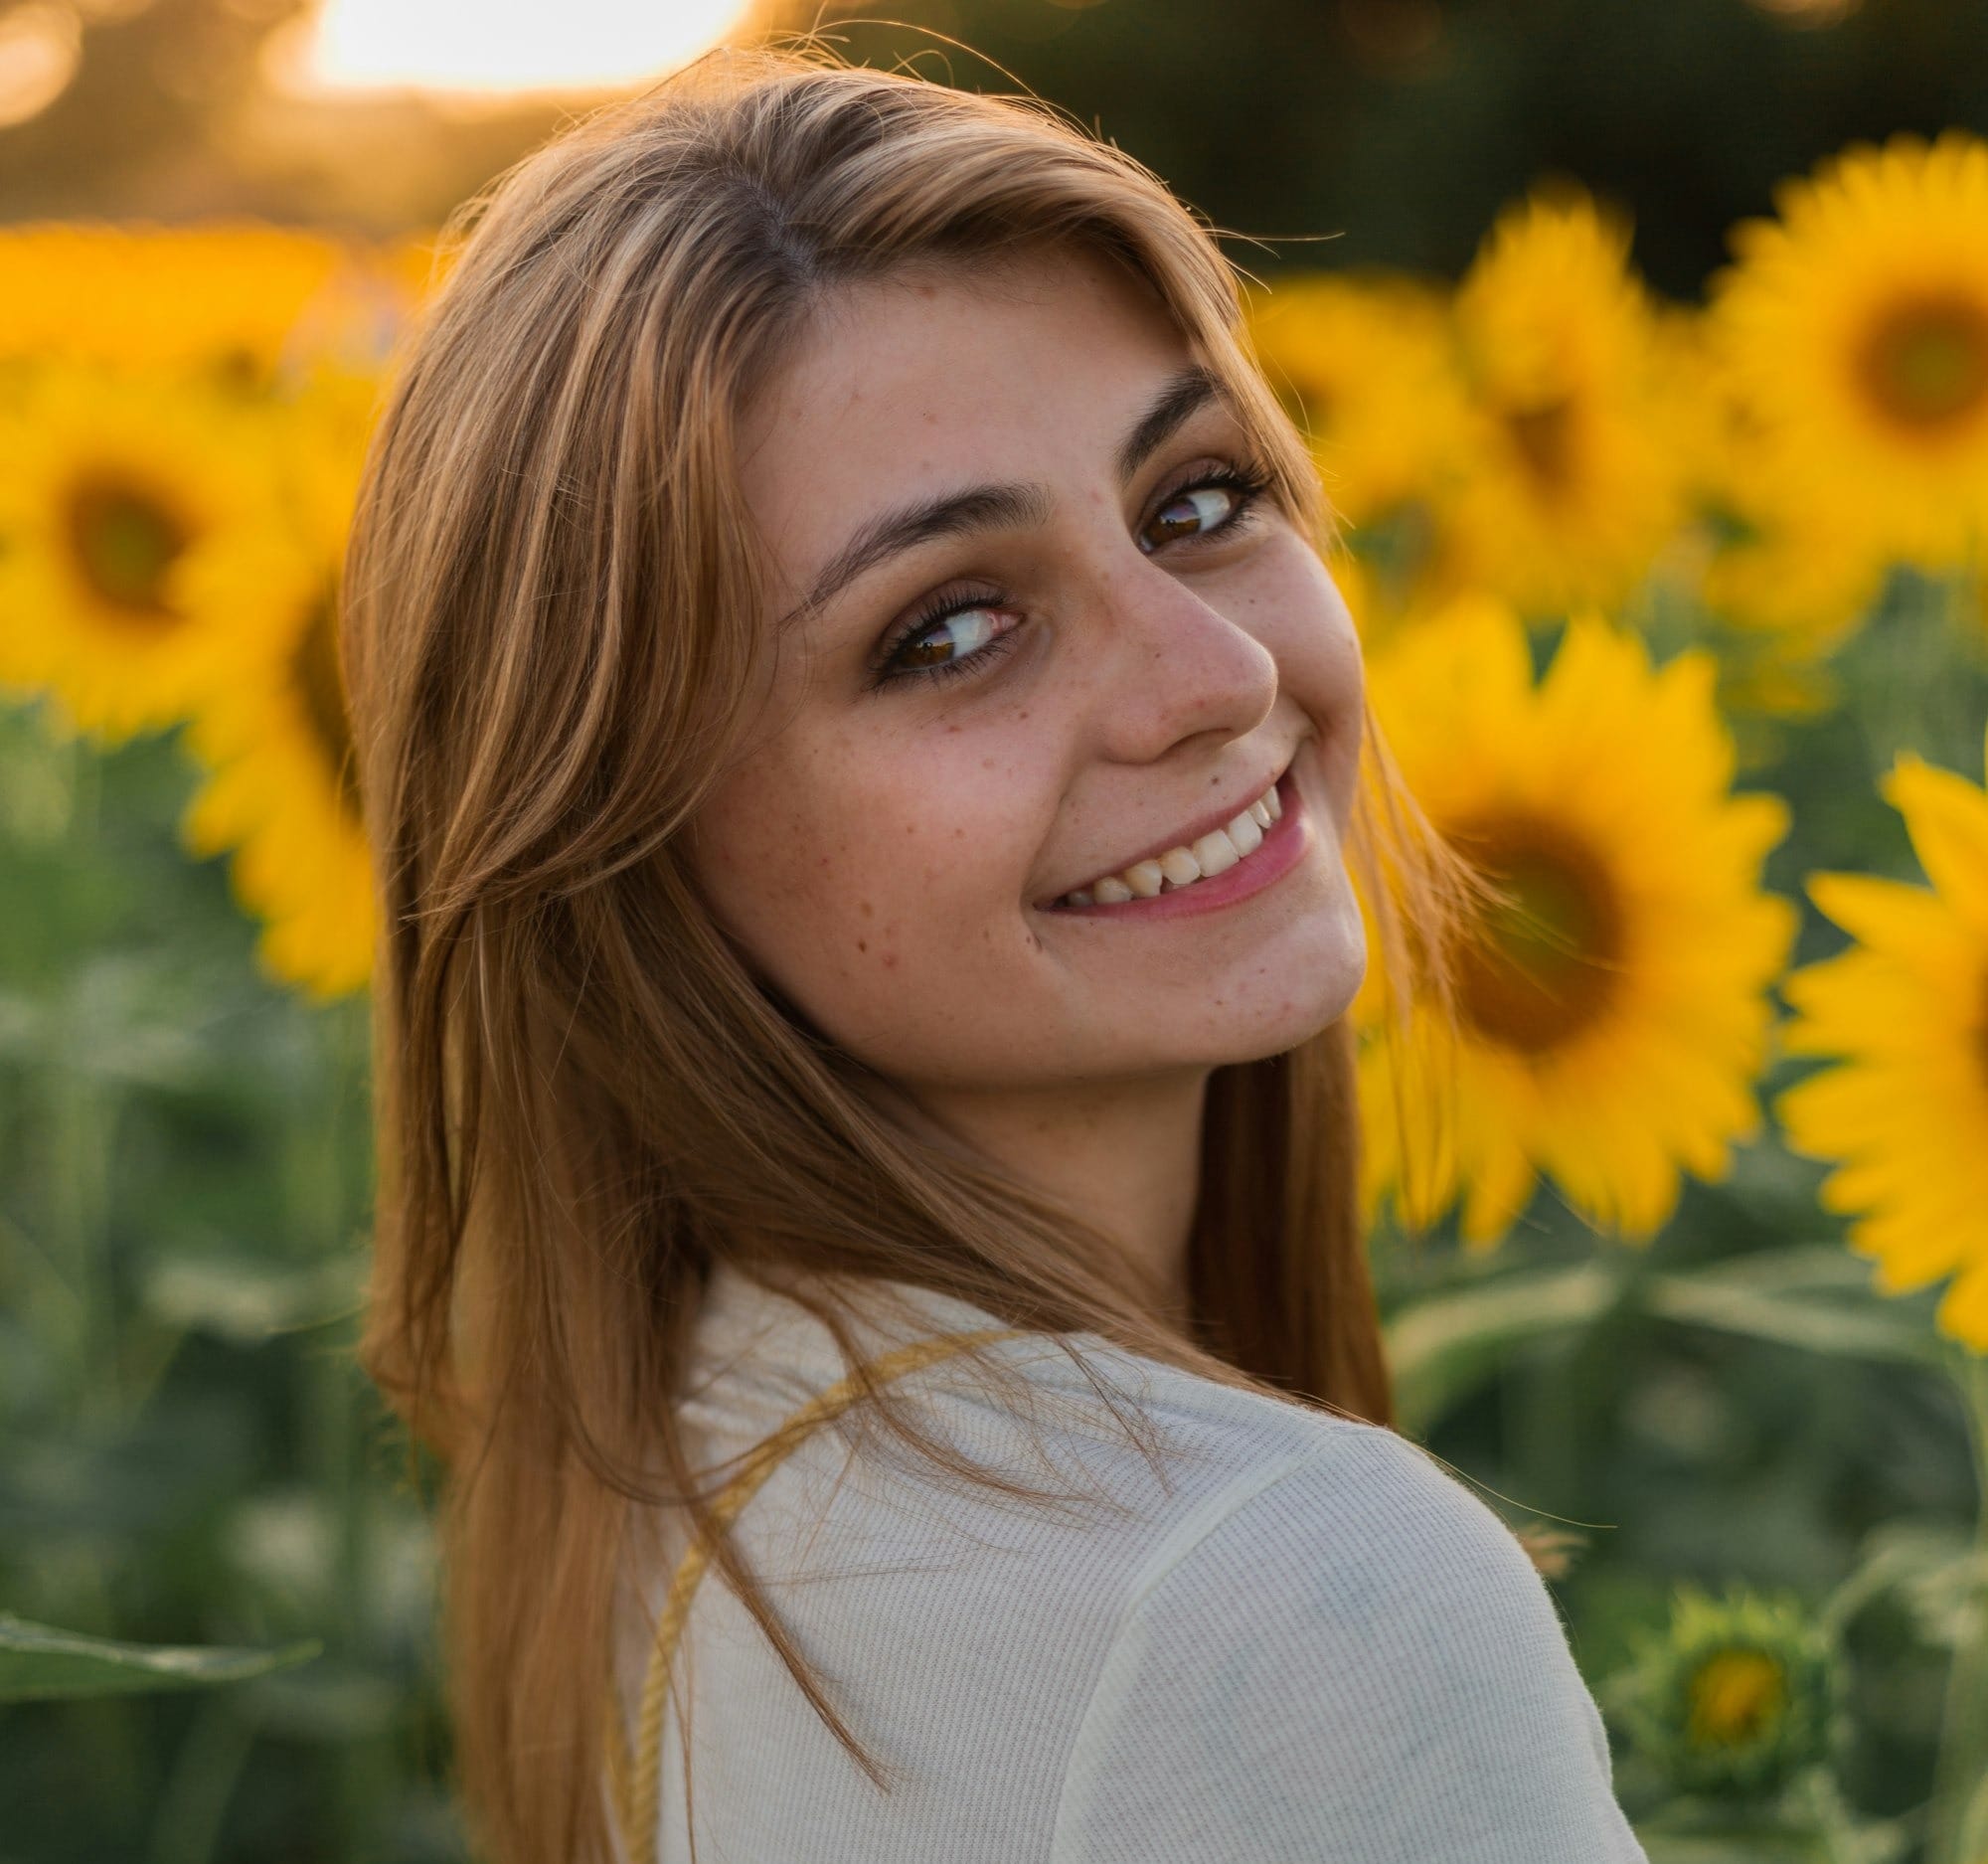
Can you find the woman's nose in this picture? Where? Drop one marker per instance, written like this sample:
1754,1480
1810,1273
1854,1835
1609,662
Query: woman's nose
1164,662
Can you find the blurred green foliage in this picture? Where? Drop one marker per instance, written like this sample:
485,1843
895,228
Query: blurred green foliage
191,1456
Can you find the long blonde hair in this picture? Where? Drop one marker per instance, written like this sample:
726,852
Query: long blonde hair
585,1098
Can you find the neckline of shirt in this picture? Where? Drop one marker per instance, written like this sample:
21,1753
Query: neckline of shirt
741,1319
757,1352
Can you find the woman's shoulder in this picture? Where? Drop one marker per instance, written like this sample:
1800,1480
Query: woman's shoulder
1095,1412
759,1357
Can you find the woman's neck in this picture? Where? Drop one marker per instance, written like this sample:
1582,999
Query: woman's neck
1126,1155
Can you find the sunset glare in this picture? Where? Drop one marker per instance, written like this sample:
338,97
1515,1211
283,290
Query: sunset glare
508,47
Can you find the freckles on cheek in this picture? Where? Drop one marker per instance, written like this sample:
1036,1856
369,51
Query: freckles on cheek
886,954
786,860
871,865
884,937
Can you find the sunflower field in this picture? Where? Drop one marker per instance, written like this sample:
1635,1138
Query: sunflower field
1676,616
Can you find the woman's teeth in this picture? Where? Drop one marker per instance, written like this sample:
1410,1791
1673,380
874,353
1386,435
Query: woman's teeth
1215,853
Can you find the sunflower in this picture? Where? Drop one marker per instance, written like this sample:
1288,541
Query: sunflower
1574,480
281,786
1363,364
1906,1011
114,487
1857,323
1737,1695
1612,1008
226,298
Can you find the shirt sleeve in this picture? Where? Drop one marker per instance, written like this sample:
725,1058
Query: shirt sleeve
1358,1663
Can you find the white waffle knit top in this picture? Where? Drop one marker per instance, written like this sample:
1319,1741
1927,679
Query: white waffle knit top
1310,1642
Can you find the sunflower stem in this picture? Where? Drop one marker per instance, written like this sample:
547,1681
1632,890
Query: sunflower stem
1952,686
1839,1836
1958,1810
317,1198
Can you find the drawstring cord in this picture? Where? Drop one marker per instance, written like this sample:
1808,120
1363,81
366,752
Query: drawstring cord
635,1780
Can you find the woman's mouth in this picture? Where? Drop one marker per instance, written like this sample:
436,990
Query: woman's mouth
1234,862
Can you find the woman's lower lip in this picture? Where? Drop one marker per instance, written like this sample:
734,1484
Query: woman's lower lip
1282,848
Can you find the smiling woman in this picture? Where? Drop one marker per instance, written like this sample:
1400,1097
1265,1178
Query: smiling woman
827,544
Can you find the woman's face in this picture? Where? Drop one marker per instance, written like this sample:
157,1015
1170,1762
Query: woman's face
1128,663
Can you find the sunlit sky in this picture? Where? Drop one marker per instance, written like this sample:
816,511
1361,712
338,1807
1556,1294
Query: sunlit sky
499,45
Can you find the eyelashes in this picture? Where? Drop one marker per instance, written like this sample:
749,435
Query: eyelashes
1248,481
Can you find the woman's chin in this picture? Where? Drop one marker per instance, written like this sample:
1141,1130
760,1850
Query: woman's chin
1256,1009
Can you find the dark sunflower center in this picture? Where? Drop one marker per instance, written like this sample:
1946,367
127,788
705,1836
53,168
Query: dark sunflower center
237,368
1737,1697
124,539
1925,361
1542,437
321,688
1540,966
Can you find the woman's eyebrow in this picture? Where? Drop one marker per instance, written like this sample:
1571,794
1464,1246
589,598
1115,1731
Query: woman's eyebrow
1011,504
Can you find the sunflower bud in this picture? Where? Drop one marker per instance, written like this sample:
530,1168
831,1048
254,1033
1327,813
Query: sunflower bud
1736,1697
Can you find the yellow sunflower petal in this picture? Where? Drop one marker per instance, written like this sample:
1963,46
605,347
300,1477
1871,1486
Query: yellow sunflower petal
279,787
1948,819
224,297
1908,922
1904,1110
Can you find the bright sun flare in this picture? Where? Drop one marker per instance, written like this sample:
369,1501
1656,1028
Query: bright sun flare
508,46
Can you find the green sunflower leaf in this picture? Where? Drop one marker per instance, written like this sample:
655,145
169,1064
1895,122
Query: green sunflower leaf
39,1662
1441,1346
1797,1298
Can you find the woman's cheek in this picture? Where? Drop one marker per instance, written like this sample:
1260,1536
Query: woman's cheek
870,880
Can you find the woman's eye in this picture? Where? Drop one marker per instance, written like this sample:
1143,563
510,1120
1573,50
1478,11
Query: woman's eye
964,631
955,638
1197,508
